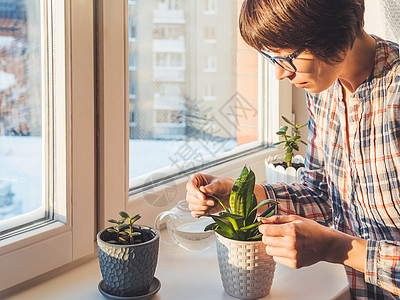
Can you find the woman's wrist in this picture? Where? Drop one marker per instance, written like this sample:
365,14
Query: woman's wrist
346,250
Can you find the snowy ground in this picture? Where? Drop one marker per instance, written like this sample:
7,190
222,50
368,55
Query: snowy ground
21,165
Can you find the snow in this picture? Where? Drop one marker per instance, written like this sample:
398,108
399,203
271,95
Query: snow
21,165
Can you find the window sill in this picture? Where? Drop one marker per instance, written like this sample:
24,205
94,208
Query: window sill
188,275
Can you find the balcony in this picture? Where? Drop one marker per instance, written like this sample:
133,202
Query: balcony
169,16
168,74
169,45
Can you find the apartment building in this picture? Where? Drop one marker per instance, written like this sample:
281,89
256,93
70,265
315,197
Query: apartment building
182,69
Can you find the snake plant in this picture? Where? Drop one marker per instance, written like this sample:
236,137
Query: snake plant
239,221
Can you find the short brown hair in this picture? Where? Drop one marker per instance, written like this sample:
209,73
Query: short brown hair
325,28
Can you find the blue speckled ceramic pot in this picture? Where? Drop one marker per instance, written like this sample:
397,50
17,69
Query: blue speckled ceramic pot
128,270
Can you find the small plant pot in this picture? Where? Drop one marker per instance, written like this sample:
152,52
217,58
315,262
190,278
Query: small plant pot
128,270
277,171
246,269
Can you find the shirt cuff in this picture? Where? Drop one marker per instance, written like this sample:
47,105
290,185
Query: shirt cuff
372,261
278,193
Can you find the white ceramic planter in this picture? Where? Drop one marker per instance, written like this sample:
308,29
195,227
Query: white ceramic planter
280,174
246,269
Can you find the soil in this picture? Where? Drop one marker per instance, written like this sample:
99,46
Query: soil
146,235
284,165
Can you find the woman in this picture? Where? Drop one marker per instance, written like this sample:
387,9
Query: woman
352,162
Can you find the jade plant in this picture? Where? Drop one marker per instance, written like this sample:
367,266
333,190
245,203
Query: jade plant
124,232
290,141
239,221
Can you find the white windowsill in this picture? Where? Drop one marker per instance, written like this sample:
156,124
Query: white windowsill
195,276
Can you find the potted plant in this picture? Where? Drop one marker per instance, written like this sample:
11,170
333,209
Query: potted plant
288,167
128,256
246,269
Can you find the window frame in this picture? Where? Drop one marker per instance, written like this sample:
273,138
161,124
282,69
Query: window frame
55,244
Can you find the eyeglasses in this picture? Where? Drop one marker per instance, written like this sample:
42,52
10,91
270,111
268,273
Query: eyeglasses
285,62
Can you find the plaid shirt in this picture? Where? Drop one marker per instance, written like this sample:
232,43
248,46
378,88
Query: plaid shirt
358,191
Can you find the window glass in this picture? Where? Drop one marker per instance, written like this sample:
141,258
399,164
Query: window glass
21,130
185,93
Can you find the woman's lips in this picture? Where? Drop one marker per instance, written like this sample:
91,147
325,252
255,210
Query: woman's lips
300,85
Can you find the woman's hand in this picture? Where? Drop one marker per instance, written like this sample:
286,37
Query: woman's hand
296,242
219,187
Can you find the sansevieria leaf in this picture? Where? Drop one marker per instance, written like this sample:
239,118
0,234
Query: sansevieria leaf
241,194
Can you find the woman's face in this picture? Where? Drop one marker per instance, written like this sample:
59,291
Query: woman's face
312,74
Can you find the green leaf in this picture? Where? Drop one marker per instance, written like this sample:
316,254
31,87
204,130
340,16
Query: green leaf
135,233
301,126
124,214
225,214
124,232
227,234
121,221
223,223
265,202
278,143
256,237
211,226
122,227
216,199
287,121
283,128
112,242
294,138
253,213
250,227
241,194
134,219
269,212
113,221
280,132
111,230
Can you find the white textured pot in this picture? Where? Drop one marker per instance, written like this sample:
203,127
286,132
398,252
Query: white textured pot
246,269
279,173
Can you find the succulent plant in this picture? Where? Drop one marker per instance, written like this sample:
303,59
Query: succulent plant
239,221
125,233
290,141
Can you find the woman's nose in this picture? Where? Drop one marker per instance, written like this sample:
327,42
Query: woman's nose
281,73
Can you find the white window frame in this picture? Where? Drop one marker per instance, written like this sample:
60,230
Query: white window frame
168,122
211,64
114,111
209,94
38,251
207,33
210,7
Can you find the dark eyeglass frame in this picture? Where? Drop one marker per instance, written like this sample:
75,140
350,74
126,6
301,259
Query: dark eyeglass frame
275,60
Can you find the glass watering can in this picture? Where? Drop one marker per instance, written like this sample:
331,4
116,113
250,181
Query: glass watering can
183,229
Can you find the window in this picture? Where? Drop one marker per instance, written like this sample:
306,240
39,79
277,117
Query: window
169,117
191,95
211,64
38,68
210,6
168,31
209,92
177,130
22,139
171,4
169,60
209,35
